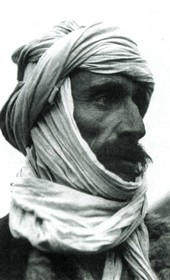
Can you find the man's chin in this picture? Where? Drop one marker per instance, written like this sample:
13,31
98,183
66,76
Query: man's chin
126,170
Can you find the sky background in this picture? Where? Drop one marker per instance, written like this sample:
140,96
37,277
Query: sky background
147,22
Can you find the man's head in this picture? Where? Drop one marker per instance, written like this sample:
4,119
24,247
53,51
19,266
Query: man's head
111,88
108,110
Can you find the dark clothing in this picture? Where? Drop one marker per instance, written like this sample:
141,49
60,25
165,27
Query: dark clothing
14,254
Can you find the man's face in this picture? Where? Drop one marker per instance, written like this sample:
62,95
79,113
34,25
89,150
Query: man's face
109,116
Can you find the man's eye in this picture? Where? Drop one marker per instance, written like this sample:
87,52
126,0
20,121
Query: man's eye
107,99
104,99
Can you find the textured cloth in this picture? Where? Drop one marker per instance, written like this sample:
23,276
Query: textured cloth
98,48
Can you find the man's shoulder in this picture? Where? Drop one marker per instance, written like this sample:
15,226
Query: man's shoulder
13,253
158,224
4,232
5,238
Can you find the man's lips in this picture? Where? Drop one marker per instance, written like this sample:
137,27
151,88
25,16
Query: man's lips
124,168
128,160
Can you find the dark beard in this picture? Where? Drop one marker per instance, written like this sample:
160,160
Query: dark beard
111,155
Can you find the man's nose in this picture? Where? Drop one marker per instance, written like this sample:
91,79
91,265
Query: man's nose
132,123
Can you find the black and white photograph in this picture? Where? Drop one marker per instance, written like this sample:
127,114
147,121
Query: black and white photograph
84,140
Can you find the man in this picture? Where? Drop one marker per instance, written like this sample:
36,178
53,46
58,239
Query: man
78,205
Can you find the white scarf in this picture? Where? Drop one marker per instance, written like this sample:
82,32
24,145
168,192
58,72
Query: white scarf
77,205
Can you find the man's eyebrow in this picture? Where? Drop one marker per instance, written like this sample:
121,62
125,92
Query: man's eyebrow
108,85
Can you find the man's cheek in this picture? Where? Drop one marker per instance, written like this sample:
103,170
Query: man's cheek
89,130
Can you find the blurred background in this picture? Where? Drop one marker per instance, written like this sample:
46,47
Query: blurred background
147,22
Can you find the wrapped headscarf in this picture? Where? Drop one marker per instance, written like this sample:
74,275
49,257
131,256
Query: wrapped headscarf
64,200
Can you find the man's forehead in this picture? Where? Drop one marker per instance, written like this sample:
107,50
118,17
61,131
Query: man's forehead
84,80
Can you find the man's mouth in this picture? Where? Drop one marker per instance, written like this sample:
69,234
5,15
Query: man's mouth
126,169
126,159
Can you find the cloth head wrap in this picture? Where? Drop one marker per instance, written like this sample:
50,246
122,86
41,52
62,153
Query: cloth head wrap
48,61
65,200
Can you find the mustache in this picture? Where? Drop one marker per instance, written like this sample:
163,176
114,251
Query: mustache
128,151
